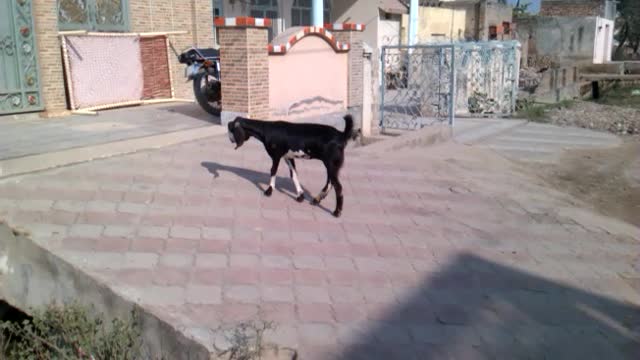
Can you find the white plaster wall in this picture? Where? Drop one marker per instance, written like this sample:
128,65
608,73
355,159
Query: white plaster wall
603,41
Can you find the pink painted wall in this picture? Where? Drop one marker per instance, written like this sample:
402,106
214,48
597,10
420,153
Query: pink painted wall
309,80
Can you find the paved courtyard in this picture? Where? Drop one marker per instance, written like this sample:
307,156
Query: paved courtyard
25,135
444,252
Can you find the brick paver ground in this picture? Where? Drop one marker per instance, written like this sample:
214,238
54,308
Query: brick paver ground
442,252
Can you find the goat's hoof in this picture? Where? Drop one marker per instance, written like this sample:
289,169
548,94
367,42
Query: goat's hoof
300,198
337,213
269,191
315,201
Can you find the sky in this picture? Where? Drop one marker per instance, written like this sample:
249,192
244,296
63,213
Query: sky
534,7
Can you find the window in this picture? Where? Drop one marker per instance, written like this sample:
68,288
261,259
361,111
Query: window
493,32
301,12
264,9
580,36
95,15
217,8
572,43
507,27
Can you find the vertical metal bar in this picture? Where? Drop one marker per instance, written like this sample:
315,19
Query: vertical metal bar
515,75
19,62
452,87
317,12
439,93
382,87
413,21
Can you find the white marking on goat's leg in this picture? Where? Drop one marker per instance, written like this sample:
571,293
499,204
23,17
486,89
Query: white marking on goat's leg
296,182
272,181
323,193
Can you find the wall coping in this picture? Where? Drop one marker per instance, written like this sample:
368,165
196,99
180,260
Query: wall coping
241,21
345,27
279,47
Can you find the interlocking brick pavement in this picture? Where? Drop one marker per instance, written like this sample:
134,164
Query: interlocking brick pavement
441,252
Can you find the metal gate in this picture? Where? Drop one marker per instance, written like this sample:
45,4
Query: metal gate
417,86
19,80
427,84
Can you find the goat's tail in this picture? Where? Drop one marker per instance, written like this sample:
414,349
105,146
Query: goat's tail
348,127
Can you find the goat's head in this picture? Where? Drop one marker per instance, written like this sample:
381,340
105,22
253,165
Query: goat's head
236,133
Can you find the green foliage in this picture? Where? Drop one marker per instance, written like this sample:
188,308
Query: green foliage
628,22
624,96
69,333
532,111
521,9
245,340
481,103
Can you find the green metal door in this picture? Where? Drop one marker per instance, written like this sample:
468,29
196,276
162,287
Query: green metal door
19,82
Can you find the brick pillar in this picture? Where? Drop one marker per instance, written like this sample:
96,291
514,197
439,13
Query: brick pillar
352,35
244,66
45,17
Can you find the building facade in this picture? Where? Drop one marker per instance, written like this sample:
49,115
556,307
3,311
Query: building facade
34,81
33,74
585,8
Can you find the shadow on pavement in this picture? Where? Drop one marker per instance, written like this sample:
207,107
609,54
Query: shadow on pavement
259,179
476,309
193,110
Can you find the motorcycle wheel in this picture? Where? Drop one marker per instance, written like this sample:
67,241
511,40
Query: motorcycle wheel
208,93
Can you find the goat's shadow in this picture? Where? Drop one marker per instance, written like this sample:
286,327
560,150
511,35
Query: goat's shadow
260,180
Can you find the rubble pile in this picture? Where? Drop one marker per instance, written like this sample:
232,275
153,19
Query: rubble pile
529,79
615,119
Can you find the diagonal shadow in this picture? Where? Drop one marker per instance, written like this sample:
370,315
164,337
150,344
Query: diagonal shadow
193,111
476,309
259,179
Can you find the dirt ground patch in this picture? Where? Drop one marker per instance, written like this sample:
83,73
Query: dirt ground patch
606,179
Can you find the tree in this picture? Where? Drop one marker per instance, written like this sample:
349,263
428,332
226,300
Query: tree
521,8
628,22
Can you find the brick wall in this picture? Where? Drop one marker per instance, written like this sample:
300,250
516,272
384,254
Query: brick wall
258,69
155,69
572,8
233,65
244,64
354,39
194,16
45,17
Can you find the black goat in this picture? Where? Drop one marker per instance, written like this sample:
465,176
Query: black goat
306,141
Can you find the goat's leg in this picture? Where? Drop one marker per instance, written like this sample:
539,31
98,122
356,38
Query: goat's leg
323,193
296,182
272,181
333,177
292,167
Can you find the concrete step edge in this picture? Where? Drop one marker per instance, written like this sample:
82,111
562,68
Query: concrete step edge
39,162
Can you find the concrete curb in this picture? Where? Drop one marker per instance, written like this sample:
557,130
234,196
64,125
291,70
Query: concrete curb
39,162
430,135
32,276
473,134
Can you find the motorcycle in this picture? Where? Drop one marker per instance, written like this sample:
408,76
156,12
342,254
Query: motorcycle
203,68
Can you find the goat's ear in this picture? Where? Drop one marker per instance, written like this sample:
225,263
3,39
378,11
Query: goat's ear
238,134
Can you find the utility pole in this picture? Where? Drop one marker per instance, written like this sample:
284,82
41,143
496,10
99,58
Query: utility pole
317,12
413,22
